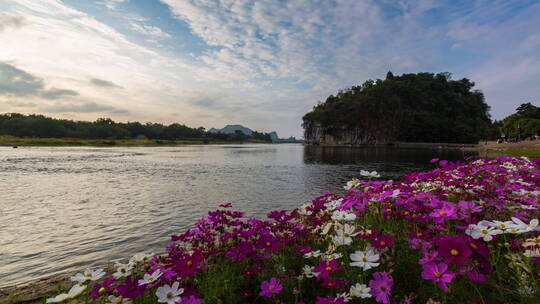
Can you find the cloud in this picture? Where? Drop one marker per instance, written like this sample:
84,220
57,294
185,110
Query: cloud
111,4
148,30
16,82
104,83
9,20
89,107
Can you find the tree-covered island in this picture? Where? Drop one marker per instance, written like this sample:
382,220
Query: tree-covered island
423,107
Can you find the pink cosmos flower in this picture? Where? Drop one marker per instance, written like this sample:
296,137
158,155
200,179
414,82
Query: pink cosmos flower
269,243
382,241
326,268
438,273
381,286
454,249
268,288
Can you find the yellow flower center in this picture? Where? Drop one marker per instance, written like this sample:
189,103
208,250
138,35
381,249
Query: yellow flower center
474,246
189,263
419,234
454,252
328,268
169,295
150,279
88,275
268,244
437,274
442,213
364,259
119,300
382,243
484,231
382,288
271,287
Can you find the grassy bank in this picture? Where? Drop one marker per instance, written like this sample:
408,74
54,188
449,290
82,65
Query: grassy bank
73,142
493,149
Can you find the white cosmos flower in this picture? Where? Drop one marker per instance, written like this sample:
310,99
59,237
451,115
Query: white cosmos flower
312,254
73,292
481,231
122,270
140,257
303,210
360,291
366,259
339,215
344,234
89,274
169,294
118,300
332,205
532,253
76,290
345,296
369,174
59,298
333,256
150,278
522,226
308,271
504,225
352,184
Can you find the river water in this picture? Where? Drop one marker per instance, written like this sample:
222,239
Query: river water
68,208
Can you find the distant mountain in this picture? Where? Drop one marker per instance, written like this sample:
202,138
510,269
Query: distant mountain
229,129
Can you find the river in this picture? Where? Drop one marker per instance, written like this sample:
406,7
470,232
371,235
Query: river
66,208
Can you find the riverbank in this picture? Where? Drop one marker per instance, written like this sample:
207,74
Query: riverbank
516,149
76,142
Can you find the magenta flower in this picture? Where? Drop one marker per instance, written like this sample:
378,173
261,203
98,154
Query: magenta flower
467,208
382,241
454,249
269,243
326,268
438,273
381,286
447,211
268,288
106,285
131,289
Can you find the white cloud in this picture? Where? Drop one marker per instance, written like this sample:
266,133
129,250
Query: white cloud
148,30
111,4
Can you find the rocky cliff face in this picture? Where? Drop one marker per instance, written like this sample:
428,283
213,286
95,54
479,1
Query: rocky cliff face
315,134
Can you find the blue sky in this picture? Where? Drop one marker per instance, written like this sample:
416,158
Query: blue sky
260,63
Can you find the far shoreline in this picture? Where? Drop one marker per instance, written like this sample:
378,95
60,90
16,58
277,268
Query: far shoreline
79,142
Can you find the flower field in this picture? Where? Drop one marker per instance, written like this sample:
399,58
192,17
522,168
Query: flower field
460,233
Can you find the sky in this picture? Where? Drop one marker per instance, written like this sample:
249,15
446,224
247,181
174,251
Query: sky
259,63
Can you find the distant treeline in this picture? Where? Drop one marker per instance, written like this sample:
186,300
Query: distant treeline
522,124
39,126
421,107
